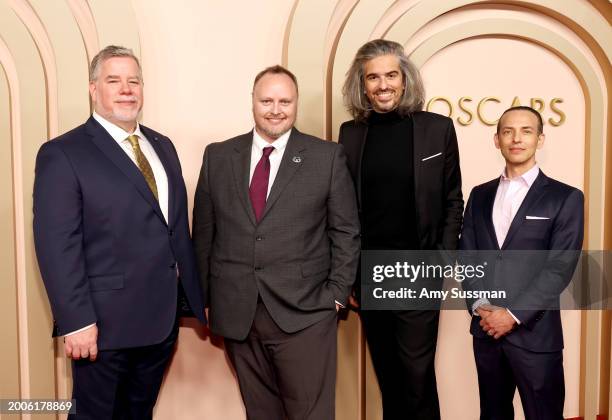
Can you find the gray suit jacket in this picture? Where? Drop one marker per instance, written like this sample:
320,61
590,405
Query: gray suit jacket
300,257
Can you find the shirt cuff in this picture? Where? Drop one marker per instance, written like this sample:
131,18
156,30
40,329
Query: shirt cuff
515,318
339,304
478,303
80,329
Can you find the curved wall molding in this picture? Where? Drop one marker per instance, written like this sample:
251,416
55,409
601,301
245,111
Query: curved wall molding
87,26
35,27
10,69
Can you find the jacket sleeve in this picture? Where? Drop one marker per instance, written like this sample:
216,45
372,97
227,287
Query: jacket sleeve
203,224
343,229
452,195
58,239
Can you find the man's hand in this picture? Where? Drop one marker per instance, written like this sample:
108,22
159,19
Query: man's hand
497,322
338,307
82,344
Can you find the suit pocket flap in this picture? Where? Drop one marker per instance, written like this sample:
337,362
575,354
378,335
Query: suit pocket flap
111,282
315,266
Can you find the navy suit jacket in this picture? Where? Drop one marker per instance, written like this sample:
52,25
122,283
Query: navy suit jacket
105,251
559,227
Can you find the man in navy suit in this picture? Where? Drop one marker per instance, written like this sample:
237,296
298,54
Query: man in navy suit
518,341
113,246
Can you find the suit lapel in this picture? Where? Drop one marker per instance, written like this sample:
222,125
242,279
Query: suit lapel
288,167
161,152
113,151
241,165
533,196
361,131
418,142
489,198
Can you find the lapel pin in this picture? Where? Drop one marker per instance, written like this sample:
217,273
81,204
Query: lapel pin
296,159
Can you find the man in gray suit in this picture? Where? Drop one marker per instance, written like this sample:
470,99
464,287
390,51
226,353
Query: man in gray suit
276,233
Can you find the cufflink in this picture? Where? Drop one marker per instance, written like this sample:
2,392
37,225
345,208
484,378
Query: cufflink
296,159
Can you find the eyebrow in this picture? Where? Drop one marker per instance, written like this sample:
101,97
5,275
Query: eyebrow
386,73
114,76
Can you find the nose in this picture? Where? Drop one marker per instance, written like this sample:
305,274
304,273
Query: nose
125,87
276,108
383,83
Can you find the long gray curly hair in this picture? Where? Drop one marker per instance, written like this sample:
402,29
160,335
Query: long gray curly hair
353,90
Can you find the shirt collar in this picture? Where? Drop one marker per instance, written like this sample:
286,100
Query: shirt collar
528,177
279,144
116,132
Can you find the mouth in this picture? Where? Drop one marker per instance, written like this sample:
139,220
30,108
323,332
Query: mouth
384,95
275,120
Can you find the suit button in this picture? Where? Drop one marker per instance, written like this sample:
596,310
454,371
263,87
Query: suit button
259,238
258,268
173,265
170,232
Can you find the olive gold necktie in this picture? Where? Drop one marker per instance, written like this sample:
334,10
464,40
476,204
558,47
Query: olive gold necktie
143,164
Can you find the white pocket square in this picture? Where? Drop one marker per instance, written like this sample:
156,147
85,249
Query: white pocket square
431,157
536,218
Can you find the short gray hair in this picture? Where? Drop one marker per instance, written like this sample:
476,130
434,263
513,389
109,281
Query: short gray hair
110,52
353,90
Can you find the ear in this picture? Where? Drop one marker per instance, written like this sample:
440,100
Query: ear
496,141
541,138
92,91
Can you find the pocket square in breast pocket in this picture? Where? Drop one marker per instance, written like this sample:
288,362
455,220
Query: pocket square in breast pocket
431,157
536,218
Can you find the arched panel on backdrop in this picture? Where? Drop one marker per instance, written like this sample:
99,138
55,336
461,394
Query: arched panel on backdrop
571,43
45,48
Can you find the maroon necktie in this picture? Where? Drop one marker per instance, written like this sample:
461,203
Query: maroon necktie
259,184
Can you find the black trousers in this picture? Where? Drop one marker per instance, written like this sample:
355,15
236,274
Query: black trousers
503,367
286,375
403,349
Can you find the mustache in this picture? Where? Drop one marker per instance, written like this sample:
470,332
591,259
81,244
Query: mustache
128,98
384,90
273,115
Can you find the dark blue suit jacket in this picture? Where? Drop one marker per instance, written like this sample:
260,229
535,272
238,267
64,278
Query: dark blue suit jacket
560,208
105,251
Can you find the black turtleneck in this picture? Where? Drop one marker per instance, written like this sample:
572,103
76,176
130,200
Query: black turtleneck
387,184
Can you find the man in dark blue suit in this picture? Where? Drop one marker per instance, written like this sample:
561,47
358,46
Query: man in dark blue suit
518,341
113,246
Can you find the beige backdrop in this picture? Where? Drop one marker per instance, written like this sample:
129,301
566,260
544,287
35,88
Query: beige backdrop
199,58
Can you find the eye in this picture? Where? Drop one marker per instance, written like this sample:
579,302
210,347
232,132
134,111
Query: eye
285,102
371,77
266,101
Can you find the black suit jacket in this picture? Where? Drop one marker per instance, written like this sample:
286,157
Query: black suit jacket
437,175
303,253
551,217
105,251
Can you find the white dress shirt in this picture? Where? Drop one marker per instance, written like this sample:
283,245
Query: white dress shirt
161,179
510,195
280,144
